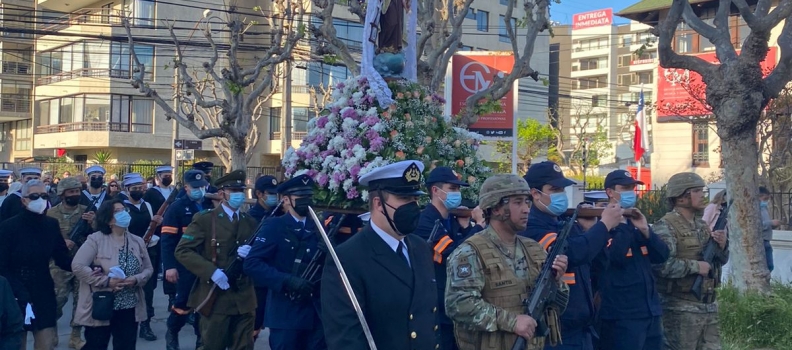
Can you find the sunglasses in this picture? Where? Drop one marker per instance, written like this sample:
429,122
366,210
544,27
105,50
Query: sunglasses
113,185
36,196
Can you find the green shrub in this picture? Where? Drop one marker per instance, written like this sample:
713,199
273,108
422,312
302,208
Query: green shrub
751,320
653,204
145,167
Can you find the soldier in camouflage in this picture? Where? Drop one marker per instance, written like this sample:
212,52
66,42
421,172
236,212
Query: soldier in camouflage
688,323
491,273
69,213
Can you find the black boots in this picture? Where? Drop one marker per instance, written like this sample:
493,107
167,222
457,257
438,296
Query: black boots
145,331
171,340
198,343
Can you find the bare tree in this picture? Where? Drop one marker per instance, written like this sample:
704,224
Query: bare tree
737,93
225,98
587,142
440,23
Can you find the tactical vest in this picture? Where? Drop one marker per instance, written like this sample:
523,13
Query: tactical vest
503,289
689,247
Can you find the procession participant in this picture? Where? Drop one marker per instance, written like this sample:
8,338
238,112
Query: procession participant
209,244
176,219
630,308
124,195
69,214
12,326
390,270
550,202
266,194
284,249
206,168
142,215
491,273
96,190
12,205
688,323
5,177
156,196
28,241
444,232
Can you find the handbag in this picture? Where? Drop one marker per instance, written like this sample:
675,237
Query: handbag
102,305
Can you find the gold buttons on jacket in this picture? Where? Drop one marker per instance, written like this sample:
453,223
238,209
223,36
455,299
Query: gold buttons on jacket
413,335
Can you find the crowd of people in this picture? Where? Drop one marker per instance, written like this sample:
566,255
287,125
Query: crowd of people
452,275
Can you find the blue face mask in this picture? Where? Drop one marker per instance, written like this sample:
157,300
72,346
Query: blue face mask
197,193
453,200
122,219
763,204
628,199
558,203
272,200
236,199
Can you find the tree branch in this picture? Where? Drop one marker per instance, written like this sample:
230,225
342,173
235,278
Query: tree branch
326,32
780,76
745,12
696,23
665,50
764,23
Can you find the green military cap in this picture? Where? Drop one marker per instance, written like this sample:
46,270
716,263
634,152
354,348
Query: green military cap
234,179
681,182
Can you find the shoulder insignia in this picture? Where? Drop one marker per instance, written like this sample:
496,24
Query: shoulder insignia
464,271
188,237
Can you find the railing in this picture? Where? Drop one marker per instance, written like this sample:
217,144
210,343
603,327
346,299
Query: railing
85,72
95,126
20,68
87,16
14,105
296,136
297,89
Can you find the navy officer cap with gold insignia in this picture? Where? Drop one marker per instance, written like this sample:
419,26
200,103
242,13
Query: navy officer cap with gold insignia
206,167
301,185
235,179
400,178
267,183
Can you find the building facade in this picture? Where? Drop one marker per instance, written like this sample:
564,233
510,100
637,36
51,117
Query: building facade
16,78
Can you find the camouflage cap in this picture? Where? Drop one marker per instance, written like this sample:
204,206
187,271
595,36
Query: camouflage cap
496,187
68,184
681,182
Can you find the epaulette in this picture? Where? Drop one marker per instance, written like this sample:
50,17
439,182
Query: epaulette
202,212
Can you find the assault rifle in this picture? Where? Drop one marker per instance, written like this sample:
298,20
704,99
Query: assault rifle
710,255
78,231
153,225
545,293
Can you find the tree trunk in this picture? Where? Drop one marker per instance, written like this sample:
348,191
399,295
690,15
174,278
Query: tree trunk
238,157
739,152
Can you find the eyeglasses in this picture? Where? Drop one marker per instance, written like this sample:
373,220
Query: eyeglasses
36,196
113,185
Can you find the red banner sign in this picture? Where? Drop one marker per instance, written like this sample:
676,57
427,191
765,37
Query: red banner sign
591,19
680,91
473,73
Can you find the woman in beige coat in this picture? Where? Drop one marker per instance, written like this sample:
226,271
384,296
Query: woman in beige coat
112,246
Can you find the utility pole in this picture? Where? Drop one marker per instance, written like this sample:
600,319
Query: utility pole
175,132
287,108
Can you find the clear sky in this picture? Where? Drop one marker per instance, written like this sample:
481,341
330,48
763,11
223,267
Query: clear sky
563,12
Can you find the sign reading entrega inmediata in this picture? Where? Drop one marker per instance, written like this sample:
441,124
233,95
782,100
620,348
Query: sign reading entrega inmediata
591,19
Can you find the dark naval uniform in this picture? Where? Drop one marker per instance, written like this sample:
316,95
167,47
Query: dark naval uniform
208,246
157,196
174,222
95,175
206,167
286,259
443,235
396,290
12,205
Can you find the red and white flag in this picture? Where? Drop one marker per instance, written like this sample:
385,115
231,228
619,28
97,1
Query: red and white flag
640,140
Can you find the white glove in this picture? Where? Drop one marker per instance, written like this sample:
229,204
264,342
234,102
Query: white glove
243,251
116,272
154,240
220,279
29,314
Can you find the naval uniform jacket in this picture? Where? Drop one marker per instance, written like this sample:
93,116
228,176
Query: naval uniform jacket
398,301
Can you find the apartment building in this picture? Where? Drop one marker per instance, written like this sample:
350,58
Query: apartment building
16,78
683,138
599,80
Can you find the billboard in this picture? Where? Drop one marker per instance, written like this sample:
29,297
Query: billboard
592,19
680,91
471,73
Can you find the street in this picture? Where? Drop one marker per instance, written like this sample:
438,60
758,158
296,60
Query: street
186,336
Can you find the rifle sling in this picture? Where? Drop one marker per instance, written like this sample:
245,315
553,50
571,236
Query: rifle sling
214,239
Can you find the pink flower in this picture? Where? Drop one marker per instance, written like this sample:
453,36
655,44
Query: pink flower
322,122
352,193
354,171
323,180
416,94
400,155
420,150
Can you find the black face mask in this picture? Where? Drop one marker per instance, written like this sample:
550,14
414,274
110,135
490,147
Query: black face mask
301,205
405,218
97,182
166,181
72,200
3,187
136,195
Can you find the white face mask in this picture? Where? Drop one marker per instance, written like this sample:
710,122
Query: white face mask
37,206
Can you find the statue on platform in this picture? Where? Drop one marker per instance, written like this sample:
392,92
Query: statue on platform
389,60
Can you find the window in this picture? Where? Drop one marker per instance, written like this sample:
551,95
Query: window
705,44
701,145
593,82
107,10
97,108
645,78
505,2
645,38
119,115
593,63
624,60
645,57
274,121
42,113
503,34
300,117
142,115
22,135
142,12
482,21
121,59
66,110
684,43
624,79
626,40
349,32
471,14
599,101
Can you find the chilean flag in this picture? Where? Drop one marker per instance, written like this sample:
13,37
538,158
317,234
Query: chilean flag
640,138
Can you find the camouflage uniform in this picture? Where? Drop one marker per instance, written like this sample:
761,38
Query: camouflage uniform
487,283
688,324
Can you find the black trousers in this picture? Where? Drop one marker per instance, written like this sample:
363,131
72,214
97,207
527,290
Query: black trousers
151,285
123,328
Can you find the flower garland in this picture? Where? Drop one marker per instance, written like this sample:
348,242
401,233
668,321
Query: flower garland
355,135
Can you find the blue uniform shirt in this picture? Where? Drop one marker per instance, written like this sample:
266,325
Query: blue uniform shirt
175,220
628,285
279,242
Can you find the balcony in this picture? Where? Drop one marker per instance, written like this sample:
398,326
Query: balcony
95,126
84,72
64,6
15,105
296,136
17,68
110,17
86,135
